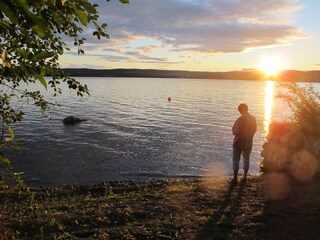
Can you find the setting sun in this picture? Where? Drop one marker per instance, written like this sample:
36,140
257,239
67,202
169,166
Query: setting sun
271,65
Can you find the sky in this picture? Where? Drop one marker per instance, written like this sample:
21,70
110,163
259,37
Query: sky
204,35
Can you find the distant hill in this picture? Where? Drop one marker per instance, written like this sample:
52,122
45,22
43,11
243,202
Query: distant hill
289,75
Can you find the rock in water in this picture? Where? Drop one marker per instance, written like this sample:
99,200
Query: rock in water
72,120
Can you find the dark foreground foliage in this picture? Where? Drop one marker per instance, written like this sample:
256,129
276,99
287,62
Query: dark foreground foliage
165,209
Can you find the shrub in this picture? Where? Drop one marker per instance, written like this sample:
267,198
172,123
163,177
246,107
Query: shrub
294,146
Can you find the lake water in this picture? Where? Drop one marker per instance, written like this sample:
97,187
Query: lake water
132,132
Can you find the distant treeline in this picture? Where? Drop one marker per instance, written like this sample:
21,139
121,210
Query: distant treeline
289,75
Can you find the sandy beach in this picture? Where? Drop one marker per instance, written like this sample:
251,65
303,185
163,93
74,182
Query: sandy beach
264,207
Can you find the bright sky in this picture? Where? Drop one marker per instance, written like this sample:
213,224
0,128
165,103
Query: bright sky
205,35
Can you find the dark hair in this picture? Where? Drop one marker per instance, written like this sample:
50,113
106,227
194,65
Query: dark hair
243,108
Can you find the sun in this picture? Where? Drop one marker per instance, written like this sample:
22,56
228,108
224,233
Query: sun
271,65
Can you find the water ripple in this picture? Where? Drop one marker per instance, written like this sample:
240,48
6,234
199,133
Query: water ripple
132,132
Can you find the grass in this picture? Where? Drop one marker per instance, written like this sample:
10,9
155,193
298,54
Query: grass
165,209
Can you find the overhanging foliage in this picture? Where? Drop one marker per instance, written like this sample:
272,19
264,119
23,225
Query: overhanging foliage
33,36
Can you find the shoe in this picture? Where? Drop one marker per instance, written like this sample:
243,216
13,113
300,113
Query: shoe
234,181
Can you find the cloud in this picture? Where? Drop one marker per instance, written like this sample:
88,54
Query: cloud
184,31
216,26
108,57
123,56
75,65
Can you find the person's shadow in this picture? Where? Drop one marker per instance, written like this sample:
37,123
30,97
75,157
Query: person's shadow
221,222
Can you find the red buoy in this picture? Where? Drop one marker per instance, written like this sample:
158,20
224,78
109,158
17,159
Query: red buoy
169,99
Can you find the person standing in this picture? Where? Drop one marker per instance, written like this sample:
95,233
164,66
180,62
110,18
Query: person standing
243,130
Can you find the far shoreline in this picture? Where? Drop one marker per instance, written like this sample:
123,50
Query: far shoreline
254,75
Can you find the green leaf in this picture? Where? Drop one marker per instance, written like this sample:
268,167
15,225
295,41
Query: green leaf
42,55
26,69
60,50
42,81
57,18
15,148
41,32
124,1
43,72
24,4
23,53
88,6
11,132
9,12
6,161
81,15
40,27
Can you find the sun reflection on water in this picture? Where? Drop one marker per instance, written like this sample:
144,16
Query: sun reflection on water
268,105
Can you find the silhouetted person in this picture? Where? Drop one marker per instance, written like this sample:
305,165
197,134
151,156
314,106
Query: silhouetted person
243,130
